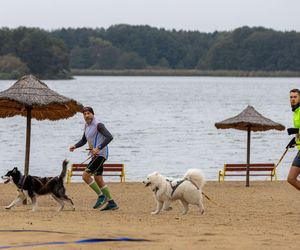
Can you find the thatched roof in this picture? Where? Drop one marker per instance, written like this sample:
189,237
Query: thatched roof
249,117
30,92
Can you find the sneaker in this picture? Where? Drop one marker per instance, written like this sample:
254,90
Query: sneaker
100,201
111,205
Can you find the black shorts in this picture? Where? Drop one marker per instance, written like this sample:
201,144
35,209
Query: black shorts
296,161
95,166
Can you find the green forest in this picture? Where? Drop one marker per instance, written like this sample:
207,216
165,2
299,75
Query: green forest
55,54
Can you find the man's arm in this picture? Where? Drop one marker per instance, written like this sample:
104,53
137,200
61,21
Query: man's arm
108,137
81,142
78,144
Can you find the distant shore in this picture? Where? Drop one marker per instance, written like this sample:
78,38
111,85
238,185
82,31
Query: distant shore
184,72
165,72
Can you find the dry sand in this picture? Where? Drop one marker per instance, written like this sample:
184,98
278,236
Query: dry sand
263,216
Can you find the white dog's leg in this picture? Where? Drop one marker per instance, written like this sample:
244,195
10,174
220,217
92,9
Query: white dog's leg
201,207
34,203
14,202
166,205
185,206
158,207
21,196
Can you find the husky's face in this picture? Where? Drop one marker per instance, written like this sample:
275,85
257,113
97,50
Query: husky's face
153,180
10,174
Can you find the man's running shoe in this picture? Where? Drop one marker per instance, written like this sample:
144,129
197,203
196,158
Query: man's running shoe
102,199
111,205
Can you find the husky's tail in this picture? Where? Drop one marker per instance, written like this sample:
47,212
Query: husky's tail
64,169
196,177
47,187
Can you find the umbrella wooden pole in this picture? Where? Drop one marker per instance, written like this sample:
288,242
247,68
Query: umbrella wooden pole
248,156
28,133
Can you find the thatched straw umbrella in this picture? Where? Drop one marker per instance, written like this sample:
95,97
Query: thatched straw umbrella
32,98
249,120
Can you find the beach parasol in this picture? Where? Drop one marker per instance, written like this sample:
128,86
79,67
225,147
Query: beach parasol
32,98
249,120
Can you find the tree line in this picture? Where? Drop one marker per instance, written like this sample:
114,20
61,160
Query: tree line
51,54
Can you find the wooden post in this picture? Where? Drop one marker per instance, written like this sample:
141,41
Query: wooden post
248,157
27,149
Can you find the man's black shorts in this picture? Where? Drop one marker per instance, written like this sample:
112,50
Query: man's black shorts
296,161
95,166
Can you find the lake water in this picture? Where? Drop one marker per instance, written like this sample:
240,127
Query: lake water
163,124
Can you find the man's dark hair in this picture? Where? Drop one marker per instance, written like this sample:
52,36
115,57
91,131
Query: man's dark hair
295,91
87,109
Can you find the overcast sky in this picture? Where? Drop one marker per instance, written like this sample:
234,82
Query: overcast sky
201,15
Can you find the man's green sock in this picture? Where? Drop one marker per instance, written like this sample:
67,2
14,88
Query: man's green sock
93,185
106,192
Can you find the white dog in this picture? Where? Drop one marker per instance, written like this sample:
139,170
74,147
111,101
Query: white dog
188,190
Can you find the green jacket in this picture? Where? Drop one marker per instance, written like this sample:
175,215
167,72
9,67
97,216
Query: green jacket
297,125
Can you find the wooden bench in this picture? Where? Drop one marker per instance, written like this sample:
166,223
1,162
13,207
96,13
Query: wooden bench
264,169
109,169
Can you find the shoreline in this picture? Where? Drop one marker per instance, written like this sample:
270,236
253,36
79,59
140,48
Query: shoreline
184,73
168,72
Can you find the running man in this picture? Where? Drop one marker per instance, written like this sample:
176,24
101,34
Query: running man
98,138
295,168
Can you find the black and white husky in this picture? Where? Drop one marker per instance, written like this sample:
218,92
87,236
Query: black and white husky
35,186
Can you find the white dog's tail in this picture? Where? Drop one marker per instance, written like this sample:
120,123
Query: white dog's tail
196,176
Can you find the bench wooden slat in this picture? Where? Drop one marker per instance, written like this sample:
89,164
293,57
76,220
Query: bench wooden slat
80,174
105,165
251,165
251,169
251,175
108,168
77,169
268,168
112,169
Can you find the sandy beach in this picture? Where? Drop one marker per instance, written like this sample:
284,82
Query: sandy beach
263,216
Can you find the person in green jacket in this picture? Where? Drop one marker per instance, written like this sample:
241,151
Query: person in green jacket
295,168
